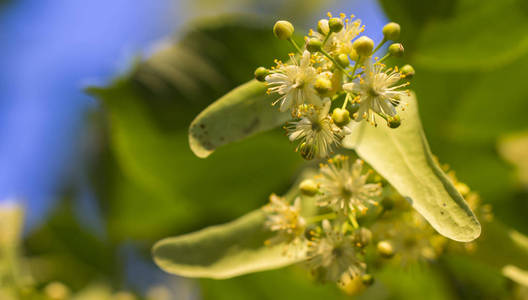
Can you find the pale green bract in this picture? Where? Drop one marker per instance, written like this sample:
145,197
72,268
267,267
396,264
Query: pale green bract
244,111
223,251
403,157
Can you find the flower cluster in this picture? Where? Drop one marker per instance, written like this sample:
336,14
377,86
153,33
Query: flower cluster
354,213
336,67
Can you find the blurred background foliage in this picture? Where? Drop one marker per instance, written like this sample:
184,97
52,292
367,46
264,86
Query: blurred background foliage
470,58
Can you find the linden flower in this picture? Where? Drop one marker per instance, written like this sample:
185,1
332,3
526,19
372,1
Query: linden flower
341,42
344,186
376,92
317,133
284,218
334,254
294,83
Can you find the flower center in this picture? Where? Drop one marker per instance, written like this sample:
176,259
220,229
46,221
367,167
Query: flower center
316,126
337,251
372,92
346,192
299,82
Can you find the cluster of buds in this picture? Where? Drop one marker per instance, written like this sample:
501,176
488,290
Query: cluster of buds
360,221
334,80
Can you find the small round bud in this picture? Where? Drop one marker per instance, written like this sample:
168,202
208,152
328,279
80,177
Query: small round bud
367,279
394,122
322,85
343,60
335,24
323,27
385,249
407,71
307,151
396,50
353,54
57,291
283,30
363,46
391,31
308,187
261,73
314,45
341,117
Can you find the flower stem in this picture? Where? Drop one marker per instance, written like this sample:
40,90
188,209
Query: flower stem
326,39
320,218
295,45
356,64
383,58
347,97
354,221
336,63
379,45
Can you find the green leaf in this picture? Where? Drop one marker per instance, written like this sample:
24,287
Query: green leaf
403,157
513,246
242,112
468,41
223,251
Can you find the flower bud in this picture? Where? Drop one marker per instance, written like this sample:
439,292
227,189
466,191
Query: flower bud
353,54
283,30
385,249
308,187
341,117
391,31
322,85
261,73
323,27
396,50
314,45
57,291
407,71
335,24
363,46
367,279
394,122
342,59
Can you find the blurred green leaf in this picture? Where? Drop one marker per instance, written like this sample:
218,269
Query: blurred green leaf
458,35
223,251
242,112
58,251
403,157
418,281
513,246
159,180
468,40
284,284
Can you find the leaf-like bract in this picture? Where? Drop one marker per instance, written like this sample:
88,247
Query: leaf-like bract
403,157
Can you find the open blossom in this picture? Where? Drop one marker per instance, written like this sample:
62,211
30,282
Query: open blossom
334,254
285,219
344,187
377,91
317,134
340,42
294,84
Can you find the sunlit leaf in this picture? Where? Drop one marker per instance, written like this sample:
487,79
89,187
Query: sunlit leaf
242,112
403,157
223,251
